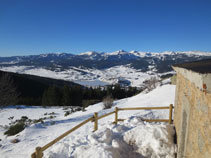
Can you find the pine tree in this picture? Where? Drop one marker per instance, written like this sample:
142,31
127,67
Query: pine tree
53,96
66,96
77,96
8,91
45,98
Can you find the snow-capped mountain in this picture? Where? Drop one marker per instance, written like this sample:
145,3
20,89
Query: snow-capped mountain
95,68
137,60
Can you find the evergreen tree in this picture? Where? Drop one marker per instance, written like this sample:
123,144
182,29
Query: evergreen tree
109,90
117,92
45,98
8,91
54,96
77,96
66,96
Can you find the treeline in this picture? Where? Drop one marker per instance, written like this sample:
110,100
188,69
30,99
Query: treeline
21,89
78,96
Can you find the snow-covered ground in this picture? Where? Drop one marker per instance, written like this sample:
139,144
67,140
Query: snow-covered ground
131,138
87,77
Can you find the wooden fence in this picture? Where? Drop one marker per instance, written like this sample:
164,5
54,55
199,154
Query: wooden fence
39,150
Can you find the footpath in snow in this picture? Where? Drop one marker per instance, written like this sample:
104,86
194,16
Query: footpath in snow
131,138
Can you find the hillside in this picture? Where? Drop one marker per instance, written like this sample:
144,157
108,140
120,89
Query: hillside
107,142
33,87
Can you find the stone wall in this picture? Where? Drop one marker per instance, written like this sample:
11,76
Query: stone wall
192,117
174,79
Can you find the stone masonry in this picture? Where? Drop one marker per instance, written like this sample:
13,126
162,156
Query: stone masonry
192,114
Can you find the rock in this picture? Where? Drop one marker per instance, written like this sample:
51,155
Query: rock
15,140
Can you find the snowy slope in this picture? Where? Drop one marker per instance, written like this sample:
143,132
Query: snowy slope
109,141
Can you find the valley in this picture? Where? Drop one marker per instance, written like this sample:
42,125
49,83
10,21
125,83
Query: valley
100,69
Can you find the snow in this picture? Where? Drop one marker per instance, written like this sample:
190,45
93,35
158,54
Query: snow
99,77
10,63
87,77
54,54
132,137
88,53
92,83
119,52
161,54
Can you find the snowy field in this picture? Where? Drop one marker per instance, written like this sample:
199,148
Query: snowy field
132,138
87,77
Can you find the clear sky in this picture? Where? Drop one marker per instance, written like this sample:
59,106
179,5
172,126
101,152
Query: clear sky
74,26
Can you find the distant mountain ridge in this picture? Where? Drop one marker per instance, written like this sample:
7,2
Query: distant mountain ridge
95,60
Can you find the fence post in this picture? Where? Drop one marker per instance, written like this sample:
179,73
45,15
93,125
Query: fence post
33,155
116,116
170,113
95,121
38,153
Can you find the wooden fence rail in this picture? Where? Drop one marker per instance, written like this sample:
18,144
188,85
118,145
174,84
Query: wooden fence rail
39,150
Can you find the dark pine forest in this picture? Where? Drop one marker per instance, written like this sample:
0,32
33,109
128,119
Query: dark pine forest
36,91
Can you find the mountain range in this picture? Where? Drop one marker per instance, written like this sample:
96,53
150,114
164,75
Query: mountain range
101,67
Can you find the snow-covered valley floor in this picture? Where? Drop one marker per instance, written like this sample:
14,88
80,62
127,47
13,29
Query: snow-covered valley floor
132,138
88,77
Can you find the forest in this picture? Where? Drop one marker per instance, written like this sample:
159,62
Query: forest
22,89
80,96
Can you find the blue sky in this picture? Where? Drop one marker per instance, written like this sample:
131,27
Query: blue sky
74,26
